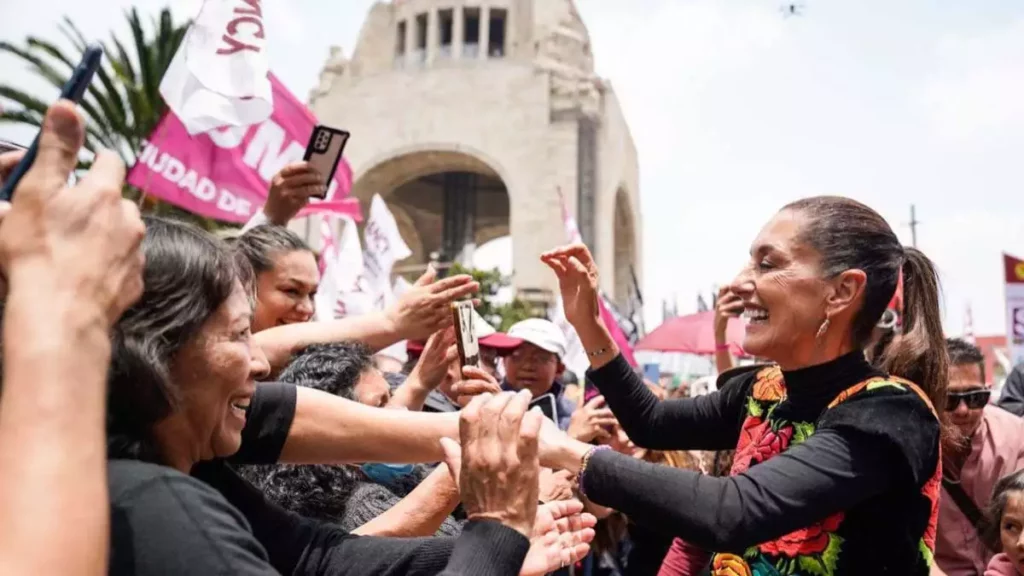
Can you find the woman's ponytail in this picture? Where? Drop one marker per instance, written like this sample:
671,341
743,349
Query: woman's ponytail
917,351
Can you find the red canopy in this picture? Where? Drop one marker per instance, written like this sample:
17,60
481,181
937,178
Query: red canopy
693,334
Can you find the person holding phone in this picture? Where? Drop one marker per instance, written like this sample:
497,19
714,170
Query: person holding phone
536,365
70,262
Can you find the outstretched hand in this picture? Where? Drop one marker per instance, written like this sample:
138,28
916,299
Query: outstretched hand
426,307
577,281
562,534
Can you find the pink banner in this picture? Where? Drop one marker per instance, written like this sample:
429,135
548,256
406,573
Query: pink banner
225,174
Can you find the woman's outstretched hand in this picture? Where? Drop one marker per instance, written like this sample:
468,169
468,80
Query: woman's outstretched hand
577,281
561,535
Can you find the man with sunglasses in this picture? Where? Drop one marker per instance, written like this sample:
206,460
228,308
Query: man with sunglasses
991,446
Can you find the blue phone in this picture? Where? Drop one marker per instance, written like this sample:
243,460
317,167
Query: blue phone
73,90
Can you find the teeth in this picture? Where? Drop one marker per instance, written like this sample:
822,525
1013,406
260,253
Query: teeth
240,406
755,314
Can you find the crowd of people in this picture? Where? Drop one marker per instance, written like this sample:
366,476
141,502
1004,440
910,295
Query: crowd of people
170,407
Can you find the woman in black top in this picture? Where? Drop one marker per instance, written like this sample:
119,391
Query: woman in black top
181,396
837,463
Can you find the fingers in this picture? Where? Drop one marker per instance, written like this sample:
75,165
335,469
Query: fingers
555,265
475,388
451,289
578,251
5,207
475,373
8,160
468,419
452,457
577,265
427,278
296,168
601,413
529,432
511,421
595,402
60,139
107,172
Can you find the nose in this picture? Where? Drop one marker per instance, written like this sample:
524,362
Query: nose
259,366
961,407
306,306
743,284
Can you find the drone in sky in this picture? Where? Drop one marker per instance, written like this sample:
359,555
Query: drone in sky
792,9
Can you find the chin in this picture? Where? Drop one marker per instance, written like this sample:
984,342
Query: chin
227,444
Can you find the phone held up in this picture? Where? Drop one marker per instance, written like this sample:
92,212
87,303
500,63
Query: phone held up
324,151
547,405
465,335
73,90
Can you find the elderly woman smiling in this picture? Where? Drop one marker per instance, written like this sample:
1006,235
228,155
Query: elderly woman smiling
837,466
183,395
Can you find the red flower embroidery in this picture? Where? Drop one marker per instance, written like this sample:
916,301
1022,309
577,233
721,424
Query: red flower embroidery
773,442
750,435
806,541
758,442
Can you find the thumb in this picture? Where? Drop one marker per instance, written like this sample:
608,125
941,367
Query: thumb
452,456
428,277
60,139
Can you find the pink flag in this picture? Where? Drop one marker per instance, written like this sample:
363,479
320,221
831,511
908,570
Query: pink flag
225,174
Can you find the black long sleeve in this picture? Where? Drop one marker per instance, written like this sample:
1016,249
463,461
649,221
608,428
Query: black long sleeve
828,473
861,449
709,422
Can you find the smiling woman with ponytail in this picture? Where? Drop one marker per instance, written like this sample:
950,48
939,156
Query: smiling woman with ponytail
836,470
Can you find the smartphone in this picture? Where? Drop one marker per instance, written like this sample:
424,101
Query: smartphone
465,335
73,90
547,406
324,151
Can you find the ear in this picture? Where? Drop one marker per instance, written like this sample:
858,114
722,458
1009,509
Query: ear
561,369
847,292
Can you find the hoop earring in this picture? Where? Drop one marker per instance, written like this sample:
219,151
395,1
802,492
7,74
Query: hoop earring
823,328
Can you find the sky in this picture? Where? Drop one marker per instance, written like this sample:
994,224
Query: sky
737,109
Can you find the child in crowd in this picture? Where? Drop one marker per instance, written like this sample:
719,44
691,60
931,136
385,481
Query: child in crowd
1007,511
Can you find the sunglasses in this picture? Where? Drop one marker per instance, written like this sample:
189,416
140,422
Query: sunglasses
974,399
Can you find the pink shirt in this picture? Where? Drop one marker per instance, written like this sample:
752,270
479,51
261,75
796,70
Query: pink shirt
997,449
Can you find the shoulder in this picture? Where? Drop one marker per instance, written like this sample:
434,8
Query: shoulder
1001,419
893,414
170,522
368,501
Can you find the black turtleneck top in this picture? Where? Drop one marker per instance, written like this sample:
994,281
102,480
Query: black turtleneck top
866,460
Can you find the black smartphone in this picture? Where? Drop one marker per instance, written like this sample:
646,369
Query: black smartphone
73,90
324,151
547,406
465,334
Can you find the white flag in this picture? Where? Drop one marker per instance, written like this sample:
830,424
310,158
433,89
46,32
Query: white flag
342,290
219,75
384,248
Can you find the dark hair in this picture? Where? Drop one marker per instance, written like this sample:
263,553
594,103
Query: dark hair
260,245
963,353
188,275
334,368
848,235
1000,494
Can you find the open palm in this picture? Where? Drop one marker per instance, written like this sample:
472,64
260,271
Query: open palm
561,535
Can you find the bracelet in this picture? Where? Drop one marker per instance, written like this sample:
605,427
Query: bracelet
598,352
583,467
721,347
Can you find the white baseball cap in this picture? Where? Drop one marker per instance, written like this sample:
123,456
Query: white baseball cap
543,334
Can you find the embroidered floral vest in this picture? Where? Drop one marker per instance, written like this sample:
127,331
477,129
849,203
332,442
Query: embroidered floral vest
815,550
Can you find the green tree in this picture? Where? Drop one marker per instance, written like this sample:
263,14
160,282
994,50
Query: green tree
123,103
501,315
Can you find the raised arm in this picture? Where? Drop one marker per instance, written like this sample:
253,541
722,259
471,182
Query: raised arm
331,430
709,422
70,258
421,311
